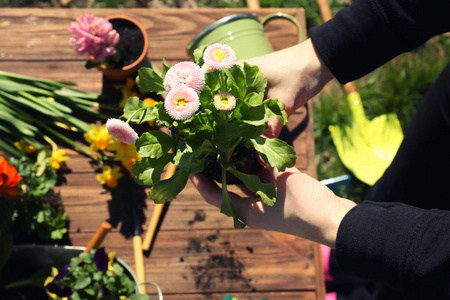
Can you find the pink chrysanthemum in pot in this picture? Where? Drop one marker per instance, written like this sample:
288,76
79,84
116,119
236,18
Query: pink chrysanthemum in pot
95,36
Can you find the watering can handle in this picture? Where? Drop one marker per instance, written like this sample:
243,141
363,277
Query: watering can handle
285,16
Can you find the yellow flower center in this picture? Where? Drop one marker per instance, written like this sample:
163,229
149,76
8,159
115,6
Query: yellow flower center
219,54
181,102
101,144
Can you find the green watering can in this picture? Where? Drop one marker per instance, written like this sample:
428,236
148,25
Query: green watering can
243,32
367,147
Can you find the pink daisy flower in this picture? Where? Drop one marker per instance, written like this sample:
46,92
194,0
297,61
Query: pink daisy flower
224,101
219,56
185,73
181,103
122,131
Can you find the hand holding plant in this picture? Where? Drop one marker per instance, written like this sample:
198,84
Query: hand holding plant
216,113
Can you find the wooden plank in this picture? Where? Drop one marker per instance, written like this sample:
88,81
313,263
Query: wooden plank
225,261
36,34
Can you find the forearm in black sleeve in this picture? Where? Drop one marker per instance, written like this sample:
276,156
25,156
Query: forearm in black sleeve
369,33
403,246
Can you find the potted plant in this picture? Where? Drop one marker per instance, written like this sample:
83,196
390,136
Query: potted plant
67,272
215,113
117,45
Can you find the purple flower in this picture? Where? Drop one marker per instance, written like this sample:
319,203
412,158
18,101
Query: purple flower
58,289
219,56
95,36
101,259
122,131
181,103
224,101
185,73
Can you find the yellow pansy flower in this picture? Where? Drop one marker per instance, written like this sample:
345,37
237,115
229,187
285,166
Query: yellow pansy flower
58,158
127,155
100,139
49,279
150,102
127,91
110,176
25,147
111,262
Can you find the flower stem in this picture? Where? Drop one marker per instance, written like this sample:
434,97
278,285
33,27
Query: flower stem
230,152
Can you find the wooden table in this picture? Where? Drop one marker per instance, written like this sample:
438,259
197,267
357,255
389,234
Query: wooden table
197,254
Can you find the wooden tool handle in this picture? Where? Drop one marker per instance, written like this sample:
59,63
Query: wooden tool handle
99,236
139,262
156,213
325,10
253,4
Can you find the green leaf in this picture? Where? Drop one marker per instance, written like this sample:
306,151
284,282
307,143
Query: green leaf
82,282
254,99
266,191
227,207
255,116
137,111
236,79
275,152
255,80
148,171
188,154
150,81
154,144
276,109
198,55
168,189
165,68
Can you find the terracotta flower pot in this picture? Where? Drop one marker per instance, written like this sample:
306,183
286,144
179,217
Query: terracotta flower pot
125,26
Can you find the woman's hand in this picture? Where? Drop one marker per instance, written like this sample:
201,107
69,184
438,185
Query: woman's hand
294,75
305,207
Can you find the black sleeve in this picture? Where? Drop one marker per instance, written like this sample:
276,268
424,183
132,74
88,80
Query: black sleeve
369,33
403,246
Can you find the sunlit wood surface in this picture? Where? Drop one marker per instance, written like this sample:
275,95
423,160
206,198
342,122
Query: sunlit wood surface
197,254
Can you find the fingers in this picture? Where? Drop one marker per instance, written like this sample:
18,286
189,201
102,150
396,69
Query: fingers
207,188
274,128
249,209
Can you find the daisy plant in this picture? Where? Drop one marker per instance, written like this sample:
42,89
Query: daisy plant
215,114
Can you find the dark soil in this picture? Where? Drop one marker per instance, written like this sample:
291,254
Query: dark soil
245,160
129,48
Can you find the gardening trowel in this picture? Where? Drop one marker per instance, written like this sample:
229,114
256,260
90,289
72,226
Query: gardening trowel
366,148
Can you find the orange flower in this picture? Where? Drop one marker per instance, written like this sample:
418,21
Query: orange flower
8,179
